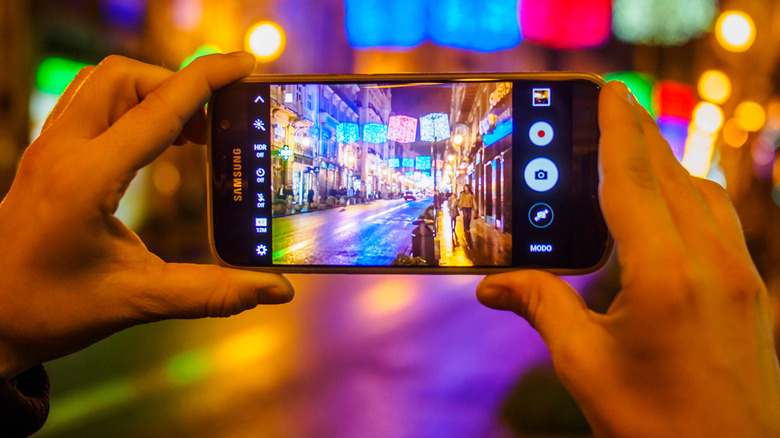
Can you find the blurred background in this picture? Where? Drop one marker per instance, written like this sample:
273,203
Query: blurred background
381,356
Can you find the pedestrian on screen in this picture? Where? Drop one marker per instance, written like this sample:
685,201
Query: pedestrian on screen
466,204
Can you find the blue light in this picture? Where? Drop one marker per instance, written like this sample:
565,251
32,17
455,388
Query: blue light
408,162
347,132
374,133
501,130
484,26
393,163
127,14
372,23
423,163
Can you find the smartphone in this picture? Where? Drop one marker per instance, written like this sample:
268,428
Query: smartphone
419,173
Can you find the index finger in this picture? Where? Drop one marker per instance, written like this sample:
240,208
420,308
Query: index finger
146,130
631,198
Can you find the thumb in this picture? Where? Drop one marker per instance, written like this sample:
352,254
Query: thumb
548,303
198,291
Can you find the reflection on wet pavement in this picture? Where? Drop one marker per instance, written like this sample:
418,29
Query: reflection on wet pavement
351,356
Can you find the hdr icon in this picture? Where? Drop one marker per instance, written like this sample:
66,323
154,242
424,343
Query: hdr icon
537,247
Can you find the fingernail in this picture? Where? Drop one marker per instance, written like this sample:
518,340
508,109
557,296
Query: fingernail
495,297
275,295
241,54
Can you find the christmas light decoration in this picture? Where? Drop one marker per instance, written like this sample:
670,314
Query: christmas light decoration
374,133
393,163
423,162
347,132
402,129
434,127
408,162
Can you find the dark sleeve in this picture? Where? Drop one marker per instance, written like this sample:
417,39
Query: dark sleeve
24,403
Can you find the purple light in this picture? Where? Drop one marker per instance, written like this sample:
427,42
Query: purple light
675,131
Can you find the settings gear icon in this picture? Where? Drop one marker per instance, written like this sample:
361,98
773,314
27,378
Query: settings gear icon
261,250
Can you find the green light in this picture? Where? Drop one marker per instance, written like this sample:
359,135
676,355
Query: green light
640,84
188,367
54,74
88,403
200,51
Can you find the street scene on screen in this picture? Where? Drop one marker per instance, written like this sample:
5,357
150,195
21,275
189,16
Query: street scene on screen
388,174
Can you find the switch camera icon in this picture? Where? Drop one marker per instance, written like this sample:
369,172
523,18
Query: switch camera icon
540,215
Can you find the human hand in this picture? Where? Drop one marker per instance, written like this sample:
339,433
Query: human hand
71,273
686,348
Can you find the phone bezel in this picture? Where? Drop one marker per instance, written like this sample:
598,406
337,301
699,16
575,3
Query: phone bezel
411,78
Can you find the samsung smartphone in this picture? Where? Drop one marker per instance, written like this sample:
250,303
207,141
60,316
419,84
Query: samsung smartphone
446,173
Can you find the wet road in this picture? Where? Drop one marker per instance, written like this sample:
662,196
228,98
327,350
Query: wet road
361,234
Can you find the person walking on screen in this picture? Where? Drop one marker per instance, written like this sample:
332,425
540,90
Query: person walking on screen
466,204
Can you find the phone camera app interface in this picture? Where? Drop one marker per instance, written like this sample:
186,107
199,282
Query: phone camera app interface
383,174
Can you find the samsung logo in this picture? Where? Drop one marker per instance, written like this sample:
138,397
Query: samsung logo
238,186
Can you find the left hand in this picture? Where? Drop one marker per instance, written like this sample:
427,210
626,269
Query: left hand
71,273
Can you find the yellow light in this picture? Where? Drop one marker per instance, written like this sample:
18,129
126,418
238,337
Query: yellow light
714,86
457,139
735,31
707,117
450,157
266,40
734,133
751,114
247,348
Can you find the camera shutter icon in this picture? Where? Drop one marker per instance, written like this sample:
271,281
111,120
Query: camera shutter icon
541,174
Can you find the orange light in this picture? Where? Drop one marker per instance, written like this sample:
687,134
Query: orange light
714,86
751,114
734,133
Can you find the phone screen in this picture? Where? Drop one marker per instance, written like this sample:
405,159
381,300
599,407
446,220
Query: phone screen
443,174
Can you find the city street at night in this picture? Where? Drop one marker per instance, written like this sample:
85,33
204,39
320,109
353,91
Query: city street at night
363,234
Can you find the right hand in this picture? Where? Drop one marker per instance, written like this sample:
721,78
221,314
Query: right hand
686,349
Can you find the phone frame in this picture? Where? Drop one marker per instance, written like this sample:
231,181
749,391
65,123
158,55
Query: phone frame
397,77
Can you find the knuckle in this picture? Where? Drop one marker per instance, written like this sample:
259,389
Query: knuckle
641,173
114,62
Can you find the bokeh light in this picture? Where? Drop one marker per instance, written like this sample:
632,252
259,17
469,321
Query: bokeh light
714,86
675,99
751,114
707,117
266,40
566,24
54,74
735,31
698,153
664,22
640,85
186,15
734,133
